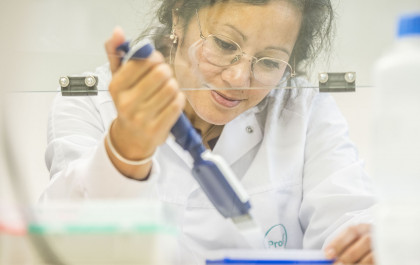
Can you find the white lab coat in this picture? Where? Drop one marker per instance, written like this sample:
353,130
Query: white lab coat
294,158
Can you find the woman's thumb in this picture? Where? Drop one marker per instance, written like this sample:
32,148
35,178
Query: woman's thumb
114,57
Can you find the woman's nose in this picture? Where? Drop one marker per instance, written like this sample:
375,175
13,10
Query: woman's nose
239,74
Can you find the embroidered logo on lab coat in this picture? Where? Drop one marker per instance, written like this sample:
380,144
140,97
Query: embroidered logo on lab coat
276,237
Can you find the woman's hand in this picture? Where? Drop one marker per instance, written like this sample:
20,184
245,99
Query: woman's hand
148,102
352,246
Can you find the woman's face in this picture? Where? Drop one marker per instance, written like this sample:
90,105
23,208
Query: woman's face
268,30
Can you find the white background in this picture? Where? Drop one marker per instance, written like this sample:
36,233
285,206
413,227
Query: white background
44,39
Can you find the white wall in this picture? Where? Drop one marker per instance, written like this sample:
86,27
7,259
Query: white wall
44,39
366,30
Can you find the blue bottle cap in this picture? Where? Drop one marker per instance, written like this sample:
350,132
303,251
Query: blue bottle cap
409,25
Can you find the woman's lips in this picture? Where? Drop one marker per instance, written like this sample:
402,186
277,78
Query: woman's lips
225,101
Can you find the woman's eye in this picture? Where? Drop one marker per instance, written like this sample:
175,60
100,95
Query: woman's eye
270,64
225,45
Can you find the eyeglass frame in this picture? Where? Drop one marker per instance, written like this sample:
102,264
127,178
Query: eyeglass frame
243,54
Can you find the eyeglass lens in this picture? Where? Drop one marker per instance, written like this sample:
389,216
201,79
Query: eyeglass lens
220,51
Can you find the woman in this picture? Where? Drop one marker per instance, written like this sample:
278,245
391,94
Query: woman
289,148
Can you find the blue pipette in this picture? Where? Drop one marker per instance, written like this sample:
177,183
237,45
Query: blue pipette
211,171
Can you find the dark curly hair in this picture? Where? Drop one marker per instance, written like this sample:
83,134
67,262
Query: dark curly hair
315,33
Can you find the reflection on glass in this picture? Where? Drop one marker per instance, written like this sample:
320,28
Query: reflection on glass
217,62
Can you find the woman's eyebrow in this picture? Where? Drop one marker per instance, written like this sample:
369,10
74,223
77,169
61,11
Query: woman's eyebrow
278,49
237,30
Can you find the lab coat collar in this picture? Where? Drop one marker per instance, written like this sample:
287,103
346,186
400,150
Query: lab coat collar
239,136
247,133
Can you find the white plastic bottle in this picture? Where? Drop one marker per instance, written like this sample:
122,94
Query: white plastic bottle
396,148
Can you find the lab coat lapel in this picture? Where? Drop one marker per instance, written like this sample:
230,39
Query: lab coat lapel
239,137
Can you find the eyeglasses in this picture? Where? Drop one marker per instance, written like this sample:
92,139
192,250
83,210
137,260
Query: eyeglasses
221,51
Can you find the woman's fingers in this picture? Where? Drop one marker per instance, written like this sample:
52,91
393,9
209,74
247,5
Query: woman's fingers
155,80
167,118
128,75
357,251
368,259
149,94
153,131
351,246
161,99
347,237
